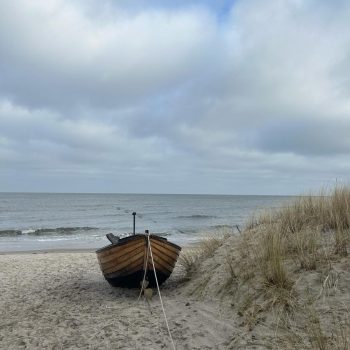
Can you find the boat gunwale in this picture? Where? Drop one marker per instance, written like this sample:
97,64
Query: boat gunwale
126,240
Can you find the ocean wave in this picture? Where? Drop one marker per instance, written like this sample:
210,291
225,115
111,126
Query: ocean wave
185,231
196,216
163,234
45,231
222,226
6,233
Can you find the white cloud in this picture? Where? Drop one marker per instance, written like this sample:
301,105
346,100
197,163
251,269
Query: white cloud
72,57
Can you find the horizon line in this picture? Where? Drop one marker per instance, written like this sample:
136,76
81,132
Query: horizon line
148,193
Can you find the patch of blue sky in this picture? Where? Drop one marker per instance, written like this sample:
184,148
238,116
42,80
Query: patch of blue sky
221,8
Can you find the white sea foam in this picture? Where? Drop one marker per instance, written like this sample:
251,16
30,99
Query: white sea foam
28,231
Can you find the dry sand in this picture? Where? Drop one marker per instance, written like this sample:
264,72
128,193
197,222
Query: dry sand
61,301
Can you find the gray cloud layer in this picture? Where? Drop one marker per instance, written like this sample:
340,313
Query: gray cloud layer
248,97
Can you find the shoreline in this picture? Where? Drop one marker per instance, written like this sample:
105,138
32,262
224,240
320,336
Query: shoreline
49,251
76,250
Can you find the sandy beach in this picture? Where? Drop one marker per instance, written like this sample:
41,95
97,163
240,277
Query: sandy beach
59,300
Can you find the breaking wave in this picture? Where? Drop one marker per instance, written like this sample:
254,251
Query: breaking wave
45,231
197,216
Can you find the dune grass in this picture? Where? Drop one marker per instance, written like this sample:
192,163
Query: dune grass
260,270
310,223
325,210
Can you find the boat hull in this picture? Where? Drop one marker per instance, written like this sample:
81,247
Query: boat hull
133,280
123,263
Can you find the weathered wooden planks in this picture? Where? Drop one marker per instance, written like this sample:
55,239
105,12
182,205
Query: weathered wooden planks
126,263
126,251
118,262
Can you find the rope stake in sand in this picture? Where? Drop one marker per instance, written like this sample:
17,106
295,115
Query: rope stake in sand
160,297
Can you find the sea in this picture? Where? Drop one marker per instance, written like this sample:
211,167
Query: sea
55,221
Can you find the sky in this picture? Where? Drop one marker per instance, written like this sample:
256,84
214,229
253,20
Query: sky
155,96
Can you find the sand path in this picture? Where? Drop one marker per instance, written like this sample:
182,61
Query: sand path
61,301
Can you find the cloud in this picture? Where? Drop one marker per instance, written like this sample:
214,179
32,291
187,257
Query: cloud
40,139
54,54
236,97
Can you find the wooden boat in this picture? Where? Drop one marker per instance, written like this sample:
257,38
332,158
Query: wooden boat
123,261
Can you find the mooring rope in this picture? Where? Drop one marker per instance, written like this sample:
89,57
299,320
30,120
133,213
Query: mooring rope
160,296
145,264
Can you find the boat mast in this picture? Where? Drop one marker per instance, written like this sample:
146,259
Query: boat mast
133,230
